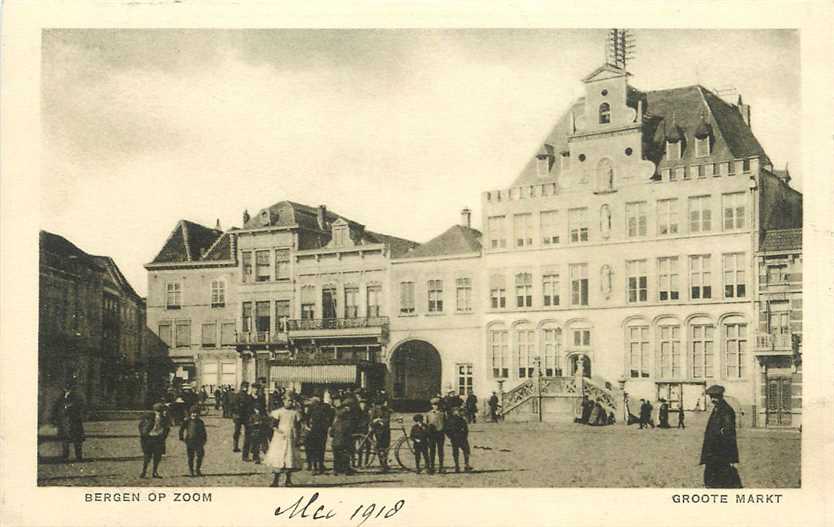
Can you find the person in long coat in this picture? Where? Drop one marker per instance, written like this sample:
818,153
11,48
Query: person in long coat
342,441
193,433
284,452
471,407
153,431
317,421
68,417
663,414
720,449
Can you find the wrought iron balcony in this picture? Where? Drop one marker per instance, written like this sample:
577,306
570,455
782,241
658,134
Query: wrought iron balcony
767,342
312,324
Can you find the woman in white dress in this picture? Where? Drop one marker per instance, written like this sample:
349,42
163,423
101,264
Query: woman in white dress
284,452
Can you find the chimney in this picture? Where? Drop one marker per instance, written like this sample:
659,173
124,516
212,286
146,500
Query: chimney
322,217
744,110
217,225
466,218
245,218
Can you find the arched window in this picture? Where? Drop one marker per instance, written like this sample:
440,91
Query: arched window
525,345
605,175
604,113
498,352
551,350
668,361
702,348
734,333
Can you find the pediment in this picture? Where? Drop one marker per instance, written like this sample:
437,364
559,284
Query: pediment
605,72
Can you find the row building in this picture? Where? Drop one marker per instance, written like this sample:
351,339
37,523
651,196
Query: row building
630,258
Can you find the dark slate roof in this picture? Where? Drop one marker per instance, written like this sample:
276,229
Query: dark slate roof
782,240
396,246
186,243
456,240
667,112
221,249
60,246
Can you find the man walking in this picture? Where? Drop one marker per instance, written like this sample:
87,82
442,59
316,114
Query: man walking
193,433
241,412
720,449
681,417
153,430
68,417
493,407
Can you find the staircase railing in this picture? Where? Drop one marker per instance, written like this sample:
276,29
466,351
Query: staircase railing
549,387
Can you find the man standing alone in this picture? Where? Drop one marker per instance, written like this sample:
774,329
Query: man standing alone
68,417
720,449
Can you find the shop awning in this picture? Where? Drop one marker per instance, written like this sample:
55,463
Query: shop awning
320,374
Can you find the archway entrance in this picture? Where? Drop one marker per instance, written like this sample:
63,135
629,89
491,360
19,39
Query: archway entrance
415,370
584,360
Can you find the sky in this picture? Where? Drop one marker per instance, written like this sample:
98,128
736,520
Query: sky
396,129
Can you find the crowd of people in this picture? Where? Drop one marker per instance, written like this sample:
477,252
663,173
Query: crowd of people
593,413
645,418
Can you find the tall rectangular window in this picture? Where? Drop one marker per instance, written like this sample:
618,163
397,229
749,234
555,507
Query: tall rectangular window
246,264
183,334
524,290
735,285
246,317
227,334
351,302
524,342
464,294
700,214
700,277
262,320
667,217
374,301
406,297
209,335
703,353
499,353
636,219
282,264
308,302
735,348
581,338
263,269
497,236
578,225
282,314
165,333
638,351
173,296
669,352
733,207
550,289
435,293
667,279
498,298
464,378
549,224
637,281
552,349
523,230
329,304
218,293
579,284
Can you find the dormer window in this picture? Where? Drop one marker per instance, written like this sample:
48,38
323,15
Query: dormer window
702,147
265,217
673,150
542,165
340,233
564,161
604,113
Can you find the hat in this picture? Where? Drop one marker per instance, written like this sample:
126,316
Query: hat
716,390
435,400
418,418
158,407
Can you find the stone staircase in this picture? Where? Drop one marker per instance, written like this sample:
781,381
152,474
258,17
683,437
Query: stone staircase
557,399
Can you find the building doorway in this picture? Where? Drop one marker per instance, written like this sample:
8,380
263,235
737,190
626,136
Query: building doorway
576,360
416,371
778,400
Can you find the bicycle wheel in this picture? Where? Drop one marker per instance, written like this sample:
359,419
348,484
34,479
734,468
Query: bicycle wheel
404,452
364,449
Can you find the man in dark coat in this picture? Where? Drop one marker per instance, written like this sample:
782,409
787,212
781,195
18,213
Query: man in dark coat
720,449
458,432
318,421
663,414
681,417
471,407
342,439
218,397
193,432
587,408
380,421
68,417
153,431
242,407
493,407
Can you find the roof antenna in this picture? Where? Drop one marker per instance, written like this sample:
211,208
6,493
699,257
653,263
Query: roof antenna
619,48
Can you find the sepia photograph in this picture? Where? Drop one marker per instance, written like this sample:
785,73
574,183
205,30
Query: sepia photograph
549,258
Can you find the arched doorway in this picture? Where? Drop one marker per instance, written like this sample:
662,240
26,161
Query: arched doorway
415,371
574,362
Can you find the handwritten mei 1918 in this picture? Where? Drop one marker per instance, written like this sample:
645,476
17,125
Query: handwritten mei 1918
308,510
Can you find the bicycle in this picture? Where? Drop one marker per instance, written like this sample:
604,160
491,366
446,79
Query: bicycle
366,447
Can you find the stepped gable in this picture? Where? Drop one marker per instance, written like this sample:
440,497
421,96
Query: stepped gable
456,240
186,243
782,240
678,110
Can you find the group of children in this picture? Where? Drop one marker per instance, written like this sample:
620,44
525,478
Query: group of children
428,437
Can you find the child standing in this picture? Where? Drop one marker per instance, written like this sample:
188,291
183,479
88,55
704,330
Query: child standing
259,424
420,440
458,432
193,432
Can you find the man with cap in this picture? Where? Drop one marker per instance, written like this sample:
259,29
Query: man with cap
68,417
241,412
193,433
720,449
436,422
153,430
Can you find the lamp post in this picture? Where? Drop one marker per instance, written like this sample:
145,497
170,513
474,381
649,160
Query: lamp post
538,365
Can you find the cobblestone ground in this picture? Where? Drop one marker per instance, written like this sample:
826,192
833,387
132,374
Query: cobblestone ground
504,455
